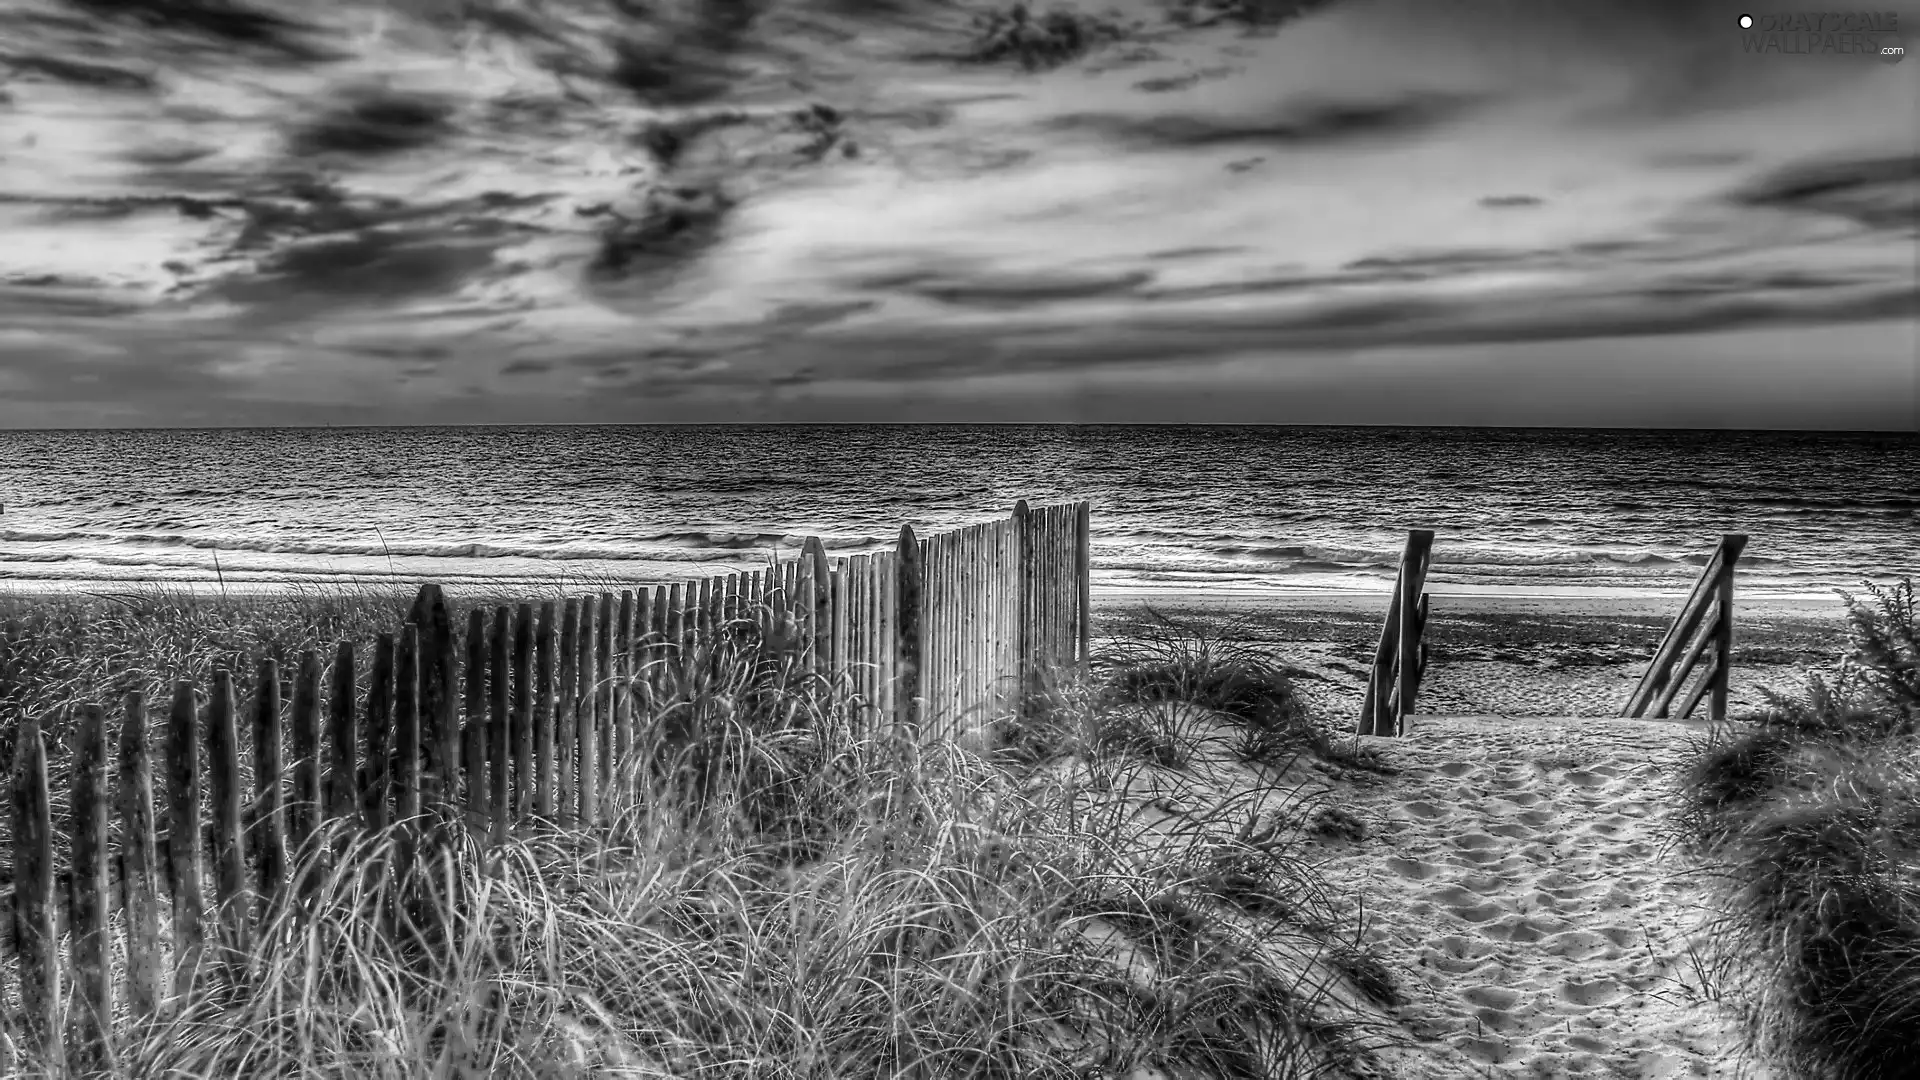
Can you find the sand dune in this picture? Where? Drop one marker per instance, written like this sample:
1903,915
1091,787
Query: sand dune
1517,868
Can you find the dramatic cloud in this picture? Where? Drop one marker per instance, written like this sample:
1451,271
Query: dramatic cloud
356,215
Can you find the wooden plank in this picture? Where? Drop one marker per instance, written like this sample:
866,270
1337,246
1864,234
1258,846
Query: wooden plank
586,768
473,733
498,768
1023,578
234,898
343,738
566,696
835,636
1703,639
34,941
546,645
1732,544
1660,668
139,861
1407,660
908,569
818,602
1373,709
91,810
523,695
303,814
406,777
267,829
700,623
438,703
1083,578
657,650
603,702
377,791
1709,674
184,836
626,648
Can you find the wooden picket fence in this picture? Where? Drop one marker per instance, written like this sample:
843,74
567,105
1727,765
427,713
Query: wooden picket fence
523,718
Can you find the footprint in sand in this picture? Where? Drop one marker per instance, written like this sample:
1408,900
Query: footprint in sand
1491,997
1578,945
1425,811
1413,869
1475,840
1535,818
1589,993
1457,769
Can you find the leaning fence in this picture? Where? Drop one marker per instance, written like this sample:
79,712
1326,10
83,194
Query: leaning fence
523,715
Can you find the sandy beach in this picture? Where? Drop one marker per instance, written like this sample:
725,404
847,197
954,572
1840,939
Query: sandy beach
1512,866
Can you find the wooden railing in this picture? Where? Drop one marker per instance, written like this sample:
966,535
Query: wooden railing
1401,658
1705,623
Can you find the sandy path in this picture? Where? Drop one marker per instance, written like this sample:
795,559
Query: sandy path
1514,868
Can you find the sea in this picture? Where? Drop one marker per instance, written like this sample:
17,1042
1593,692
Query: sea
1252,509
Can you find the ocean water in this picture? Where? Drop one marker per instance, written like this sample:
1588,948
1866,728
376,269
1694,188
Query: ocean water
1254,508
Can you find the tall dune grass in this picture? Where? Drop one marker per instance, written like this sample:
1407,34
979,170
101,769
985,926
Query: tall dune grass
789,894
1806,820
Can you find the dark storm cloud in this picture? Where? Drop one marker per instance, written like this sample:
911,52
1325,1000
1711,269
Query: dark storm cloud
1301,122
1880,192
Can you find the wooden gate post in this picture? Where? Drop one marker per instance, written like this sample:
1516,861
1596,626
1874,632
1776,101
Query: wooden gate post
909,686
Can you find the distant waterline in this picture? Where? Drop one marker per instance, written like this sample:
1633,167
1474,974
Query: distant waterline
1246,508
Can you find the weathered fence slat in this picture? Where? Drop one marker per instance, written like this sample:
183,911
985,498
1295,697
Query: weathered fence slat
267,827
234,902
588,672
91,809
522,727
473,732
343,738
35,943
184,836
377,791
545,707
304,719
566,692
139,860
604,675
624,648
437,746
406,725
497,769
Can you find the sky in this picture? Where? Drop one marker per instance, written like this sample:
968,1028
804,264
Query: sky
1382,212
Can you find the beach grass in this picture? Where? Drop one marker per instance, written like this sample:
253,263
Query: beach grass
1805,819
788,895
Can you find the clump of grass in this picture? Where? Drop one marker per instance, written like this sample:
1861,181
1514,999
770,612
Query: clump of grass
777,890
1049,39
1808,823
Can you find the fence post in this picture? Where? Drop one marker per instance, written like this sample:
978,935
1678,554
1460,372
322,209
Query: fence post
343,739
268,827
406,725
90,808
438,726
623,644
544,710
565,802
523,694
303,815
33,916
139,860
1083,571
816,600
603,701
378,788
184,835
499,746
1733,543
1024,601
235,898
909,689
473,733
